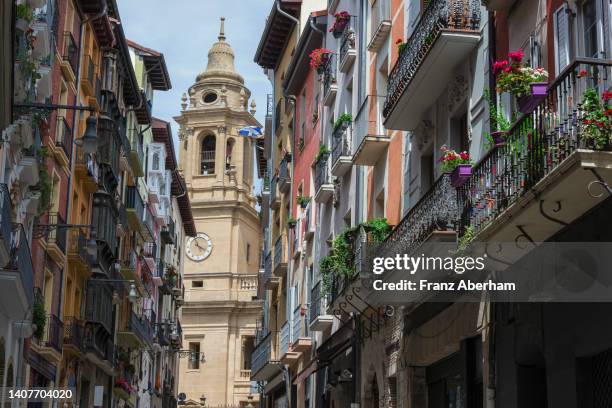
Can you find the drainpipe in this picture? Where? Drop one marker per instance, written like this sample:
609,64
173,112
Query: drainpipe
290,17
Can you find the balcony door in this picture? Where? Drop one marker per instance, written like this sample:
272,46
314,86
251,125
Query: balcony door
594,29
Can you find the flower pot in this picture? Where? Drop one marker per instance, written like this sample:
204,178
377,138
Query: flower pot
499,137
528,103
460,175
339,27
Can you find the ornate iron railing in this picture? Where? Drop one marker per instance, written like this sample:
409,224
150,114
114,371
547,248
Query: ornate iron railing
57,235
284,175
329,73
322,173
264,351
316,302
435,211
54,331
63,136
71,51
74,332
347,39
279,252
285,337
268,267
536,145
341,142
460,15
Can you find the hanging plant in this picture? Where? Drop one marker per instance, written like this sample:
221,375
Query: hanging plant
319,58
39,317
44,182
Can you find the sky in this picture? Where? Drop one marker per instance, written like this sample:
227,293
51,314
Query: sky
184,30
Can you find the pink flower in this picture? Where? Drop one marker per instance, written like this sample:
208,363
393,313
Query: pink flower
516,56
498,66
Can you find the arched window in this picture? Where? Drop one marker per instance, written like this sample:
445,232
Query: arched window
156,161
207,163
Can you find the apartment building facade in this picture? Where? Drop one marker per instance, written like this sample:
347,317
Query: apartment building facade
96,269
400,85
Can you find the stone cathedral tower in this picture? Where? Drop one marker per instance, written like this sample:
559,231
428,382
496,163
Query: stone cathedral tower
221,262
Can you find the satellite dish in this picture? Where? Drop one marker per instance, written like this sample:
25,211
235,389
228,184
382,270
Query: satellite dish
182,396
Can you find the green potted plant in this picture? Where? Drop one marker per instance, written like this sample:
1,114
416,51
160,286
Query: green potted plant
39,317
303,201
291,222
458,164
401,45
343,120
499,124
323,153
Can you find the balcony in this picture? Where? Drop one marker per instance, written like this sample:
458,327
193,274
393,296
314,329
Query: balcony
50,345
62,149
277,116
270,281
309,225
104,220
370,137
342,158
319,320
70,57
109,151
446,35
99,304
134,206
136,155
86,170
89,76
330,85
348,53
324,187
6,224
280,257
55,238
74,333
300,338
135,331
274,194
549,172
99,347
265,362
284,174
147,227
129,268
380,24
77,250
168,234
287,355
17,276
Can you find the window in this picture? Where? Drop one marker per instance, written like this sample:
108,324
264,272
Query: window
562,37
228,153
197,284
156,161
248,346
194,356
207,164
589,16
210,97
248,253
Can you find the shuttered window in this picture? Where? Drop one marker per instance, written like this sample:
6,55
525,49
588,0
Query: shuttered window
561,38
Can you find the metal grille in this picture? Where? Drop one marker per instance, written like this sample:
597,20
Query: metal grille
602,380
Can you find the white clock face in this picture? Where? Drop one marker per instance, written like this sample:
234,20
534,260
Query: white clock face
199,247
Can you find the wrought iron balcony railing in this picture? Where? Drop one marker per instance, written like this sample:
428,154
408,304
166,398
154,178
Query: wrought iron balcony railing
347,39
330,74
57,236
435,211
70,52
53,334
74,333
284,175
536,145
6,224
78,245
341,142
63,136
322,172
277,114
266,351
285,337
21,259
316,300
279,252
99,304
133,201
298,326
440,15
267,267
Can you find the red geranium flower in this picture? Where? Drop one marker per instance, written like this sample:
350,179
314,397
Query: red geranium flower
499,65
582,73
516,56
609,112
607,95
399,41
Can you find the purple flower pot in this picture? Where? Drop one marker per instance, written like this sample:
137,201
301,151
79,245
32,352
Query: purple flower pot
528,103
460,175
499,137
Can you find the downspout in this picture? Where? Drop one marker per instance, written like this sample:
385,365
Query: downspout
292,100
290,17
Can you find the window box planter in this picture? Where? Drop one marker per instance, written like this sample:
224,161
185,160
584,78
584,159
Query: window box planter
460,175
499,137
528,103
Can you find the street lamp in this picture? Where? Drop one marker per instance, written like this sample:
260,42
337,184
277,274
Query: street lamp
132,295
89,141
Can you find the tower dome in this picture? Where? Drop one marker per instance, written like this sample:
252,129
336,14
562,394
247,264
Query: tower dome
220,60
